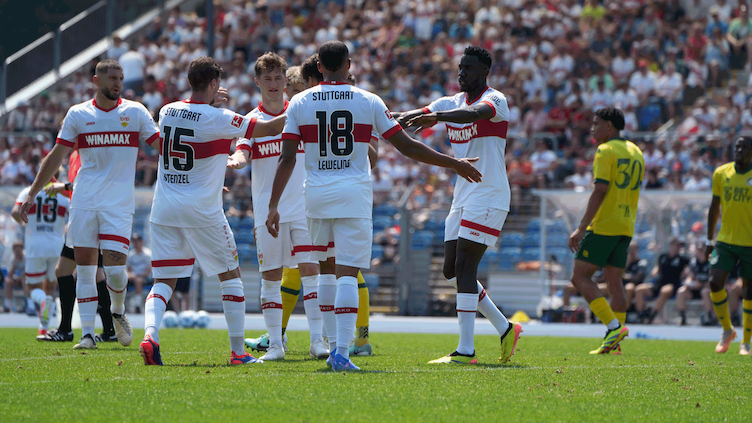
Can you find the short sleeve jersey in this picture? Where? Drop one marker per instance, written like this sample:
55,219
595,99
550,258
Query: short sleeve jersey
334,121
671,269
196,140
485,139
264,153
700,270
619,164
108,142
44,235
734,189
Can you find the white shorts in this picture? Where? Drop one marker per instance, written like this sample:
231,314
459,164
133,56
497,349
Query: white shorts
108,230
349,239
292,246
478,224
40,268
174,250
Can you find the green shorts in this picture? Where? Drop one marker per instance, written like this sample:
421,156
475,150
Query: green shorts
604,250
726,256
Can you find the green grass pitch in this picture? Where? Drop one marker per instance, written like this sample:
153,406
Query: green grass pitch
549,379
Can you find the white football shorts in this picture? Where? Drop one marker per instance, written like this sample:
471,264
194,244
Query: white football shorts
174,250
40,268
478,224
349,238
292,246
108,230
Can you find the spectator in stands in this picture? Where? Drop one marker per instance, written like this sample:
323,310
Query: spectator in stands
740,36
582,178
138,267
152,98
544,163
17,278
117,49
16,171
668,273
697,181
643,81
600,97
635,272
715,21
134,64
520,175
696,287
21,118
670,86
652,156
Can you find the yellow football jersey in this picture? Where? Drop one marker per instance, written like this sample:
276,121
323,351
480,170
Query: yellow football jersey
620,164
735,191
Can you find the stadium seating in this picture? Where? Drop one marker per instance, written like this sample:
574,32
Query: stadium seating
511,239
422,240
531,240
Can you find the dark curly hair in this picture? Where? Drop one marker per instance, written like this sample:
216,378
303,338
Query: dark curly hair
613,115
482,54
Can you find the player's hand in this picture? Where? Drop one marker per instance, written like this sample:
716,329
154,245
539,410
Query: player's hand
25,207
464,168
272,222
223,96
232,163
574,240
54,188
708,251
424,121
225,189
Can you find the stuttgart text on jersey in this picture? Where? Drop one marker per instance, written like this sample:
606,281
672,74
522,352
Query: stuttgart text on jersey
332,95
182,114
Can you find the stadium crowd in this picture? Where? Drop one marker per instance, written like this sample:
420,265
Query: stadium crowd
676,61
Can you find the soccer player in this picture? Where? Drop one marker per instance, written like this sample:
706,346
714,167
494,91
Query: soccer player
108,131
301,78
605,231
334,121
66,264
44,237
293,248
477,121
188,224
732,198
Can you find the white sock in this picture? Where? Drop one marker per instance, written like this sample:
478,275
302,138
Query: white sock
311,305
233,305
346,312
488,309
117,284
271,308
613,324
86,295
154,309
467,306
327,294
48,308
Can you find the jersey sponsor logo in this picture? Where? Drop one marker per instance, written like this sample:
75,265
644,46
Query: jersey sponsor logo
388,114
108,139
494,99
737,194
124,120
262,150
473,233
483,128
749,182
237,121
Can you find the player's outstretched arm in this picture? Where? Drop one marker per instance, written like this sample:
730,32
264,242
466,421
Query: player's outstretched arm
239,159
15,213
49,166
462,115
421,152
403,117
269,128
285,167
373,151
713,213
600,189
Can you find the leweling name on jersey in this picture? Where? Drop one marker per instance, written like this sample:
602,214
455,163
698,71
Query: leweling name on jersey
334,164
262,150
175,179
483,128
183,114
108,139
333,95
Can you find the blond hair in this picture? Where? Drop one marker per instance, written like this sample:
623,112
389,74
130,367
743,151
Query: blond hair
294,76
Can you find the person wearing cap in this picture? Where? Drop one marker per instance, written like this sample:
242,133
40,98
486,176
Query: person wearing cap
715,21
732,200
668,273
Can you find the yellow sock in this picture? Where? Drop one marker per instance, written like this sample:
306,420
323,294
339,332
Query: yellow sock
747,320
600,308
363,312
720,305
290,291
621,317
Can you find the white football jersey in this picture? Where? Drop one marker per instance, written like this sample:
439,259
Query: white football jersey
108,143
196,140
334,120
485,139
44,235
264,153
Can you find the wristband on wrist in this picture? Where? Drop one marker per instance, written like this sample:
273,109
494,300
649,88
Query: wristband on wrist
709,243
68,186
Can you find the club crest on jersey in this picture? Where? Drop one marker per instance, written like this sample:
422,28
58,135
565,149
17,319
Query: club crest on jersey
237,121
749,182
124,120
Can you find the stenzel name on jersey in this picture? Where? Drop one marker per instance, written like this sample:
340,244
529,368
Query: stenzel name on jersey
176,179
